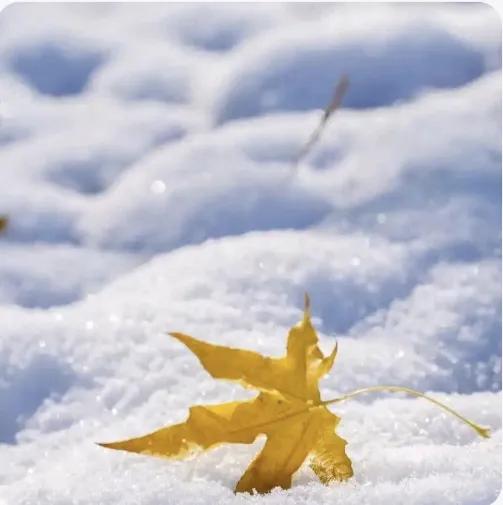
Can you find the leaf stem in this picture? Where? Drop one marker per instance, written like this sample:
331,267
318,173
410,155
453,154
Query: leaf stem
483,432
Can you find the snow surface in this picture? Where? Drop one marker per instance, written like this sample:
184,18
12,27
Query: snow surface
146,155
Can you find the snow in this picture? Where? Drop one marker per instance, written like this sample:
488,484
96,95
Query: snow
147,175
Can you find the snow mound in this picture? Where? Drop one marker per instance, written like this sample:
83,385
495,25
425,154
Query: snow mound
59,273
386,64
250,300
164,75
239,178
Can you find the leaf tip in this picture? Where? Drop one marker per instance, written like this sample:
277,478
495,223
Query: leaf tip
175,334
118,446
333,354
336,349
307,306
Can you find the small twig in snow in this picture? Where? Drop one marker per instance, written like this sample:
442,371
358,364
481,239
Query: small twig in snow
334,104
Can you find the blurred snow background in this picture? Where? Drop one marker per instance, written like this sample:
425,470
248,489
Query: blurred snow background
146,168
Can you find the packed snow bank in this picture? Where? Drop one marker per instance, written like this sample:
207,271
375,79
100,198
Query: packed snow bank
119,374
408,466
240,178
165,75
80,151
58,274
388,60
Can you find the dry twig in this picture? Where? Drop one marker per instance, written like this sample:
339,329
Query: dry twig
334,104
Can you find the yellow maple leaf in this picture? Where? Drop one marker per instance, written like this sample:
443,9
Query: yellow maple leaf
288,410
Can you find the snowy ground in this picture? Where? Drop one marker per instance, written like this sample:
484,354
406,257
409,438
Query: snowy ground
146,170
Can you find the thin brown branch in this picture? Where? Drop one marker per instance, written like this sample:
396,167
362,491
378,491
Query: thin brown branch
335,103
